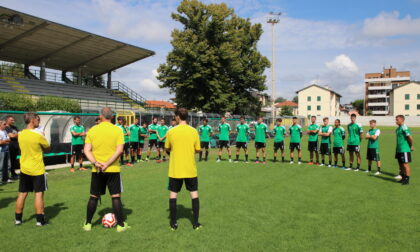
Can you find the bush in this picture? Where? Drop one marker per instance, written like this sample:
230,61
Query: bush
18,102
46,103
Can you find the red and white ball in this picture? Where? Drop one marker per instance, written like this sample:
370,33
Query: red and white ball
109,220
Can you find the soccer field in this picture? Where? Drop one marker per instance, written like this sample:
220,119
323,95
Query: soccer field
244,207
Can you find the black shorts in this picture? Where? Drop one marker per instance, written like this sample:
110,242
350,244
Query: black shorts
325,149
153,142
279,145
134,145
338,150
403,157
126,148
204,145
100,180
353,148
313,146
161,145
372,154
223,144
175,184
29,183
293,146
242,145
77,150
259,145
141,145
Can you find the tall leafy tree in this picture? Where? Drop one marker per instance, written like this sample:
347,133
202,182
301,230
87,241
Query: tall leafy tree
214,65
358,105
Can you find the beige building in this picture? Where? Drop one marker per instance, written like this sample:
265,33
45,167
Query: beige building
318,101
405,100
292,105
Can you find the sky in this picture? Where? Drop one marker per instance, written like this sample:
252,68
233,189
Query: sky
331,43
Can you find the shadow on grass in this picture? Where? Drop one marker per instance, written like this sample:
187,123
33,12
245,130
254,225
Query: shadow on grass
6,201
385,178
51,211
389,173
104,211
182,213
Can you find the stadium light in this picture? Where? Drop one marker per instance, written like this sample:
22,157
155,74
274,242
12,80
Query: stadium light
273,19
11,20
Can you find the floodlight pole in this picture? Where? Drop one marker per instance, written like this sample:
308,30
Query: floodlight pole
273,20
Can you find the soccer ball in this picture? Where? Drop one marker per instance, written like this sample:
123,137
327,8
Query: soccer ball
108,220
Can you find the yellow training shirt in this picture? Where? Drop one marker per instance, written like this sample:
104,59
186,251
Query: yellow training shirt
183,140
105,137
32,143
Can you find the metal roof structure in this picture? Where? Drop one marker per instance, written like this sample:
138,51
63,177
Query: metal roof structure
31,40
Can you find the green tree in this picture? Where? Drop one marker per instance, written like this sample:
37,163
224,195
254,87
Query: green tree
358,105
286,111
295,99
279,99
214,65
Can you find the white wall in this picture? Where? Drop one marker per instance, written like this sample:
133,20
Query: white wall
411,121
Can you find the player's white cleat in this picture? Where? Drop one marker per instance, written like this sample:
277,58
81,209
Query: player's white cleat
348,169
18,222
377,173
218,161
357,169
236,161
299,162
321,164
398,177
291,162
329,165
230,160
367,171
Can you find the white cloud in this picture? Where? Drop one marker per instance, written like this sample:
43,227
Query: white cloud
390,24
342,65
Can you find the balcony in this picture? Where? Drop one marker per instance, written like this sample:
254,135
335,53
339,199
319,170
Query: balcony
377,104
374,96
376,80
379,112
387,87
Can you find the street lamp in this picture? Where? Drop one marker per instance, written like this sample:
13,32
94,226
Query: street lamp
273,19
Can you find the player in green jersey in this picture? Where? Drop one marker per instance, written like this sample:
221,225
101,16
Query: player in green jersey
260,139
162,130
355,131
338,144
77,143
142,137
279,131
373,147
153,141
224,135
205,131
295,132
134,139
242,130
404,149
325,133
124,157
173,124
313,130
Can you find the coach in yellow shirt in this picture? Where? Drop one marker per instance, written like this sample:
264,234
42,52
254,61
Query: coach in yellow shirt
103,146
183,142
32,170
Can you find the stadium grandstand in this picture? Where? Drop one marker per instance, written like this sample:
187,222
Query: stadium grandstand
58,60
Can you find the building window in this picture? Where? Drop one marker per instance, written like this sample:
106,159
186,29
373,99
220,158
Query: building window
318,107
309,98
407,96
418,96
309,108
407,106
418,106
318,98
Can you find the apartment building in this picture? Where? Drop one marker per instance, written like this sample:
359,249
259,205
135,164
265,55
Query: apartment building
405,100
318,101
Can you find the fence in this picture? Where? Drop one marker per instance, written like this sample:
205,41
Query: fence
411,121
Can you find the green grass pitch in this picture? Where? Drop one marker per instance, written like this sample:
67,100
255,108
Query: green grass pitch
244,207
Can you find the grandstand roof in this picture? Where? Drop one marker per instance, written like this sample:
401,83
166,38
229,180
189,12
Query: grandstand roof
62,47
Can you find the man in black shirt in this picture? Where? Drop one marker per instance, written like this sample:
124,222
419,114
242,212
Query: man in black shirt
12,132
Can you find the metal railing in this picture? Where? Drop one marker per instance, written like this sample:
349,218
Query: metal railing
131,94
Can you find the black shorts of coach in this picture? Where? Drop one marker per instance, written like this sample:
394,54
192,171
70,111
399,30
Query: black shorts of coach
28,183
279,145
153,142
242,145
223,144
205,145
259,145
313,146
338,150
77,150
134,145
403,157
161,145
353,148
127,148
293,146
101,180
175,184
325,149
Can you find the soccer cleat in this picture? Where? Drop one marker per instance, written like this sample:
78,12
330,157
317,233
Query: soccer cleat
317,163
40,224
10,181
349,169
377,173
257,162
398,177
321,165
71,169
236,161
173,226
87,227
18,222
291,162
122,229
263,162
329,165
218,161
129,164
82,169
299,162
230,160
246,162
367,171
141,160
310,163
147,159
344,168
357,169
405,181
197,226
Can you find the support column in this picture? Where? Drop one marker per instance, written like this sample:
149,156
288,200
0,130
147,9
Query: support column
63,76
108,83
26,70
79,76
42,75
